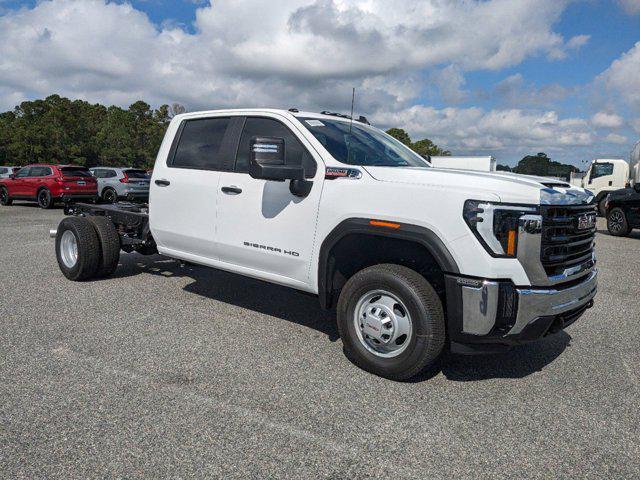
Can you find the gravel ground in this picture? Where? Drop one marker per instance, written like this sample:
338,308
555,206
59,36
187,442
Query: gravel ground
170,371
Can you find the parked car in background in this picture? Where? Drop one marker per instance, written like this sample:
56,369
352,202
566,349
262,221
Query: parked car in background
121,183
6,171
48,184
623,210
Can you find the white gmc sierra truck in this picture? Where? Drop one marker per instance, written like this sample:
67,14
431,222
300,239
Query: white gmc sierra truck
413,258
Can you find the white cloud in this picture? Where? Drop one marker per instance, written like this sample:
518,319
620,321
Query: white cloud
578,41
515,91
607,120
622,76
630,6
306,53
615,138
468,129
450,82
242,54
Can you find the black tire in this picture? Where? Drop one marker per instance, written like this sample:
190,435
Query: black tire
602,211
617,223
109,245
424,307
45,200
88,244
4,197
109,195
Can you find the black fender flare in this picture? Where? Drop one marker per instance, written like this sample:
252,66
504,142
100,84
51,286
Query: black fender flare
414,233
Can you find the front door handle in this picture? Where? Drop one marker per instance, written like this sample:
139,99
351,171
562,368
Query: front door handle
163,183
232,190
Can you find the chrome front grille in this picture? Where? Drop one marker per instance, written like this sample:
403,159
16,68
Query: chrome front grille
568,234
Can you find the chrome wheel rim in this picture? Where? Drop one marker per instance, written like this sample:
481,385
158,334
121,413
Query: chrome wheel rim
383,324
615,221
69,249
42,198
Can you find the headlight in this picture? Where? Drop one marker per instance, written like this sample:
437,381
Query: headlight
495,225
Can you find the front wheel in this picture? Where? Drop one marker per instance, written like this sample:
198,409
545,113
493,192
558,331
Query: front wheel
617,223
4,197
391,321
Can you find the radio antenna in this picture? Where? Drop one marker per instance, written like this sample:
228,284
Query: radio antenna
353,99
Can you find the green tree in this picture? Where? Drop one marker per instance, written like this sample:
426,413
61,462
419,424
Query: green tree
426,147
401,135
542,165
59,130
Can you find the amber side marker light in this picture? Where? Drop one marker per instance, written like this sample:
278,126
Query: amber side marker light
511,243
378,223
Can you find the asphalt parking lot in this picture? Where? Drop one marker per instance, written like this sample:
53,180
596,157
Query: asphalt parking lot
170,371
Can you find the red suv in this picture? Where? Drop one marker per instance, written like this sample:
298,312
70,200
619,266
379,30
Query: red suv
47,184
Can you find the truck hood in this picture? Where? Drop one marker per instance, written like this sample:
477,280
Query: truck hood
508,187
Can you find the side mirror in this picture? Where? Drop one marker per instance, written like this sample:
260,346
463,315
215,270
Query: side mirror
12,176
267,160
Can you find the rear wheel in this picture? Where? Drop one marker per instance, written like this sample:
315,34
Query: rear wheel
77,248
109,245
109,195
4,197
391,321
45,200
617,223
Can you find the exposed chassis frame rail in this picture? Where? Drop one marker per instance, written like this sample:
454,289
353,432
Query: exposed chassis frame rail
131,223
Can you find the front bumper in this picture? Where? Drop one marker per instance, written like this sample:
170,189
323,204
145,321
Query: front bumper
485,315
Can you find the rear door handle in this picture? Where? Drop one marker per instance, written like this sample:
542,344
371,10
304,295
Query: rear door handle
232,190
163,183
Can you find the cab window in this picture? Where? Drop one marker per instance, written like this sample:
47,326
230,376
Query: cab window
295,152
23,172
200,144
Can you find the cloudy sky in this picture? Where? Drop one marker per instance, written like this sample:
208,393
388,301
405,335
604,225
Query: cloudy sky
500,77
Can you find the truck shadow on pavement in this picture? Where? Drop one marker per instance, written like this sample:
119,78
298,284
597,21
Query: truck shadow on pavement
243,292
304,309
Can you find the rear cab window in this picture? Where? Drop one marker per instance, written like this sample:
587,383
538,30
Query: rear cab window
201,144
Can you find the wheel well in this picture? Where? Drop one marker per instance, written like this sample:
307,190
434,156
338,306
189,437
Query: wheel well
356,251
105,189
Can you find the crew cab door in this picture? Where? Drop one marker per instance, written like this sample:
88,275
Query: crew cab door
184,187
263,228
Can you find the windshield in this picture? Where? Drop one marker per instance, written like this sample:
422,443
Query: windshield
359,144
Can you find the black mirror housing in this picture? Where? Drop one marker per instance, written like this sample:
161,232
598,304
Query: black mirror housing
267,160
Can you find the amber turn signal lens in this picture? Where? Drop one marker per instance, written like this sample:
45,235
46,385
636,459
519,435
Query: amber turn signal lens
511,243
378,223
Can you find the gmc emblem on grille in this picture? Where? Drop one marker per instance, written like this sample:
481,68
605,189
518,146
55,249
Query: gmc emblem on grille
586,221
